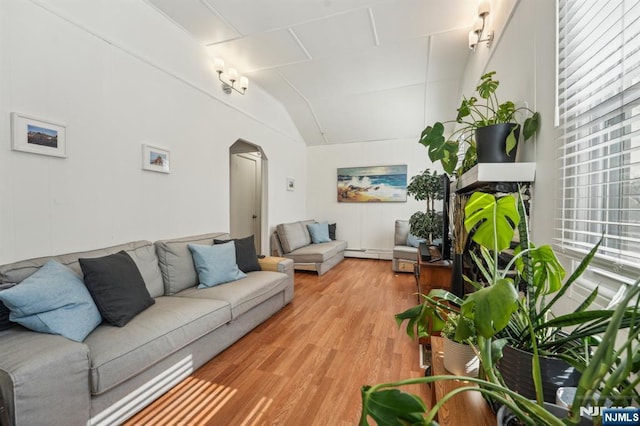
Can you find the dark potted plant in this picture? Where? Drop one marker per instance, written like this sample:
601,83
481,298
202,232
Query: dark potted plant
426,186
490,128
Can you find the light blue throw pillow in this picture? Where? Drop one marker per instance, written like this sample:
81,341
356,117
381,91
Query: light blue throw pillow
414,241
319,232
53,300
216,264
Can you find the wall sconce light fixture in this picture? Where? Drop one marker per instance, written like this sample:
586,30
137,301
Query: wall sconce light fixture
232,76
475,35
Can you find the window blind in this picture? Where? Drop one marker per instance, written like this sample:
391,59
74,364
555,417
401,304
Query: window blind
599,131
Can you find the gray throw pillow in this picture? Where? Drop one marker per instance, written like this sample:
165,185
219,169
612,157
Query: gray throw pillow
117,287
5,323
246,256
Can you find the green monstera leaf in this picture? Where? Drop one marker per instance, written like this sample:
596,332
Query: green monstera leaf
494,220
450,156
512,141
488,85
438,148
465,108
491,307
433,139
531,125
423,318
548,273
393,407
505,112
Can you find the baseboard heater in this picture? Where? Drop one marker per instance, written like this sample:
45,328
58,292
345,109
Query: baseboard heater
364,253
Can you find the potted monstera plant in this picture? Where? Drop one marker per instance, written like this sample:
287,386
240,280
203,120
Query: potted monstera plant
489,127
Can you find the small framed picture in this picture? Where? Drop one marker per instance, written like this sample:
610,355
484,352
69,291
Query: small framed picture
291,184
155,158
38,136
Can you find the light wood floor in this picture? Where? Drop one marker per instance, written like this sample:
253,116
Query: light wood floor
306,364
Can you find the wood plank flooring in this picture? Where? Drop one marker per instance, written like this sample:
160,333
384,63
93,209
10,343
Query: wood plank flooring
306,364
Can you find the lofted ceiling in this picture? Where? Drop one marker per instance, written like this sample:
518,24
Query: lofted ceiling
346,70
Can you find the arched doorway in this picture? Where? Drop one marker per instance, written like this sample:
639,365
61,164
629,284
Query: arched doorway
248,193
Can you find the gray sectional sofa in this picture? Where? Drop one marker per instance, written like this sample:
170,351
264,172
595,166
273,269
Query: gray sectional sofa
293,241
116,371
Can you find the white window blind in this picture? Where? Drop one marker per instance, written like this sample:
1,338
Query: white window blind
599,132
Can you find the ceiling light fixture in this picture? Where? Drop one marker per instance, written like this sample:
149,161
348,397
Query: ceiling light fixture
231,75
475,35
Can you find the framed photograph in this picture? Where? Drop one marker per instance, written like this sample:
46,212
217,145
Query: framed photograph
38,136
155,158
381,184
291,184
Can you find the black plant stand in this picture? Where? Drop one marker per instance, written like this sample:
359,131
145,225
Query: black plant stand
457,281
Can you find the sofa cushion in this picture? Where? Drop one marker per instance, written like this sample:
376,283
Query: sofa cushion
405,252
53,300
142,253
216,264
117,287
293,236
246,256
317,253
414,241
147,262
119,353
319,232
306,230
244,294
176,262
401,232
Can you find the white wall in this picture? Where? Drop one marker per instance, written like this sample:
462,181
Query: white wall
118,74
363,225
524,58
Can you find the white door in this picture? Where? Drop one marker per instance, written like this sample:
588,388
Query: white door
245,193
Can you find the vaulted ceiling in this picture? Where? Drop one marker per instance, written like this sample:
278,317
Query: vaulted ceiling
346,70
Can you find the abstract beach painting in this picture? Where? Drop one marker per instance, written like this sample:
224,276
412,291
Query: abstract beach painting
382,184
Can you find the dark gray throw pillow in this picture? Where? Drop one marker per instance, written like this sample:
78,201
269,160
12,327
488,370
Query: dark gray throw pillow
4,311
332,231
117,287
246,256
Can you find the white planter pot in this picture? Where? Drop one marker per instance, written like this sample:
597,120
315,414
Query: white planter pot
460,359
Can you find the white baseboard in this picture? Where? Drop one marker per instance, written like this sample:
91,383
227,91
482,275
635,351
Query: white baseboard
369,253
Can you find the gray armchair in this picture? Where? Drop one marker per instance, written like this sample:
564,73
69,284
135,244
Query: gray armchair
405,256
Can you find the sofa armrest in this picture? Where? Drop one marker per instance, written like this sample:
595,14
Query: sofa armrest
280,264
276,247
276,264
44,379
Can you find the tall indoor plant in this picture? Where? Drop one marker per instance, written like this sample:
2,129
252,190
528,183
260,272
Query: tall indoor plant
476,117
426,186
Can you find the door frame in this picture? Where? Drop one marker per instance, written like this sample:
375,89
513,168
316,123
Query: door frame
242,146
